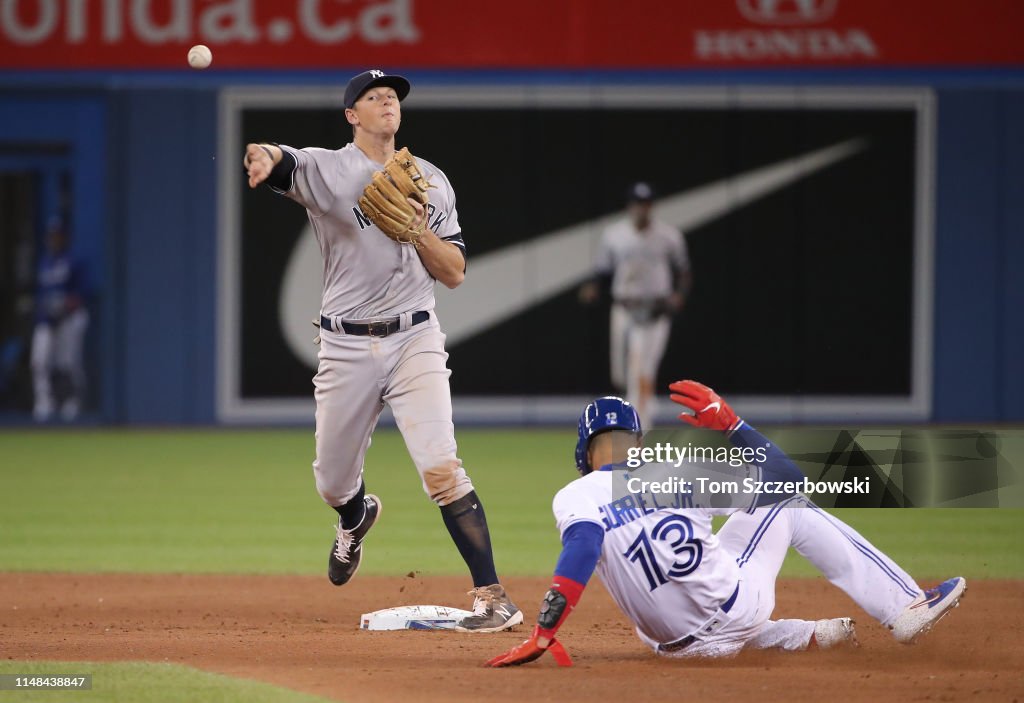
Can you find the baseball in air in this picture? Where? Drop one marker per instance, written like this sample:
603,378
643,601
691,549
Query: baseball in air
200,56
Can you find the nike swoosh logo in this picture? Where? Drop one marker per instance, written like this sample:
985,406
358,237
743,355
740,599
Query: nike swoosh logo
716,406
929,602
504,283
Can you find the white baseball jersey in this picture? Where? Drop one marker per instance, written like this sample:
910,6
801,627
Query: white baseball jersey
366,275
646,549
641,261
671,575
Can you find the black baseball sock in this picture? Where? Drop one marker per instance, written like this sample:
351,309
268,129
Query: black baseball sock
352,512
467,524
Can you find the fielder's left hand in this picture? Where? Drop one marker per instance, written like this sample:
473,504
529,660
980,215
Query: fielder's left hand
530,650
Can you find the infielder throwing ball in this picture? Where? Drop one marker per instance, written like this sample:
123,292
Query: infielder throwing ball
388,228
691,593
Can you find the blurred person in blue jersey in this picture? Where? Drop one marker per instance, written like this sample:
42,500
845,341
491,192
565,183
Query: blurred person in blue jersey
61,321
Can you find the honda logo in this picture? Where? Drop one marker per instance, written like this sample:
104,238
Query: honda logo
787,11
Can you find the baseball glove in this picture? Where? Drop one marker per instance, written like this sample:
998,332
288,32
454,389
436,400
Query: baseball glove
384,199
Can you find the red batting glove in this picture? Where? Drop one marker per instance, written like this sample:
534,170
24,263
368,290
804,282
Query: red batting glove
530,650
709,410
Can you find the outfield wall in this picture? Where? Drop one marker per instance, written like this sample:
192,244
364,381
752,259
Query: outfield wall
146,216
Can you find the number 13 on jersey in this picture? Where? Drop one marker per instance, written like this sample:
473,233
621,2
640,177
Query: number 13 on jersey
676,532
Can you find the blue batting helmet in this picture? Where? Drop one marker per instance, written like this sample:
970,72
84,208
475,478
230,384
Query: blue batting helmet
603,414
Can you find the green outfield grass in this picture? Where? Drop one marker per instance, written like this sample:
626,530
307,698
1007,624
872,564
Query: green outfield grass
243,501
145,683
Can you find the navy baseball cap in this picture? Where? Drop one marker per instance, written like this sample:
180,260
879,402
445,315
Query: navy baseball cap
368,79
640,193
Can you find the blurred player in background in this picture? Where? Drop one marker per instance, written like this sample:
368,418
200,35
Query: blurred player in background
61,321
694,593
649,267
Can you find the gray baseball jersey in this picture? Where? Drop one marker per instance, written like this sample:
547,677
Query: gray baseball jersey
641,261
366,275
641,266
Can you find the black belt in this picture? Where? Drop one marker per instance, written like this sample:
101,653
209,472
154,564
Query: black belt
640,303
380,328
690,639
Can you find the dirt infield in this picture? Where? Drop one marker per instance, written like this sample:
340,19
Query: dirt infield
300,633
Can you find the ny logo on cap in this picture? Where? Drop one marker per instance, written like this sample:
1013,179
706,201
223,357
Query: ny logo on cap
376,73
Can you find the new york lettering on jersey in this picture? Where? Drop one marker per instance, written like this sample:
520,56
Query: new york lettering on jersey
435,218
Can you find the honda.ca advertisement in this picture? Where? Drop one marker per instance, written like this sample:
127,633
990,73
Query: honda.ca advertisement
806,218
330,34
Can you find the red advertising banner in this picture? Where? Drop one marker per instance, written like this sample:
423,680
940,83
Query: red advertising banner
567,34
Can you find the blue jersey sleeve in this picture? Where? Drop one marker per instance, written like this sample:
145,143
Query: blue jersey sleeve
776,467
581,548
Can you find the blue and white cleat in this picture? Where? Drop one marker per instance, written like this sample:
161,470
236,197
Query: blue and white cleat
930,607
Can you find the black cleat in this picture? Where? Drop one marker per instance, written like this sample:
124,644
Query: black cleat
347,551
